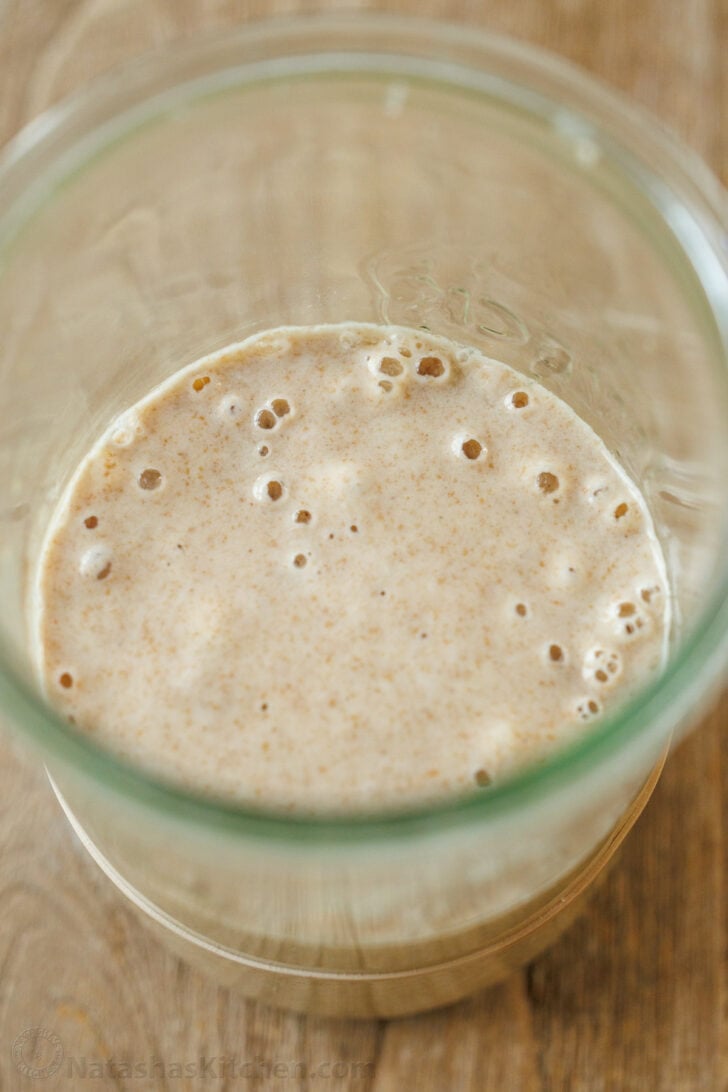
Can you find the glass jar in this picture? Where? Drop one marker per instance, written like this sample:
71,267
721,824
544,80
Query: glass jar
389,170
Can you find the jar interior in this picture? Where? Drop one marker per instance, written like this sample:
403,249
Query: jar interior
338,191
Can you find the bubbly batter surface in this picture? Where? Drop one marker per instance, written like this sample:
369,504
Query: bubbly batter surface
346,567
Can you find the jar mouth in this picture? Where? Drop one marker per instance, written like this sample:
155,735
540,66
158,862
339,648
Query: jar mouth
686,197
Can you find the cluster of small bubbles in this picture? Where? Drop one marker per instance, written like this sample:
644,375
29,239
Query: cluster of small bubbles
431,367
95,562
267,417
482,778
629,619
521,610
588,708
230,407
149,479
602,665
556,654
302,516
66,680
200,383
91,522
519,400
547,482
621,510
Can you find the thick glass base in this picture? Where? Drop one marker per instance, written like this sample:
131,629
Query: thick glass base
490,951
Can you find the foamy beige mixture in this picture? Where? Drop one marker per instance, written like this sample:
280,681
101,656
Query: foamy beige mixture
343,567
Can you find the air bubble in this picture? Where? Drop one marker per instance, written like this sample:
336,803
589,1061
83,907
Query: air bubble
431,366
95,562
125,430
556,653
625,610
354,529
405,352
264,450
200,383
150,479
389,366
267,488
91,522
472,449
547,482
280,407
600,663
648,594
385,385
66,680
620,510
519,400
299,561
302,516
230,407
521,610
265,418
482,779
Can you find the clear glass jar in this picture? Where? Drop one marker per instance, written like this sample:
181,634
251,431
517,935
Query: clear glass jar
389,170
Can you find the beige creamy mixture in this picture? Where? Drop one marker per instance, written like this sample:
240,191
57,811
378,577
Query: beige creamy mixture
340,567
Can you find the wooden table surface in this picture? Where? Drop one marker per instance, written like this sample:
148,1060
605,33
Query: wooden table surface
634,996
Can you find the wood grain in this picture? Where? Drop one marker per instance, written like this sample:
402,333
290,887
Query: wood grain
634,997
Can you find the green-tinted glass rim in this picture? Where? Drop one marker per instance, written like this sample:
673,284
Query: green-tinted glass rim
689,200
